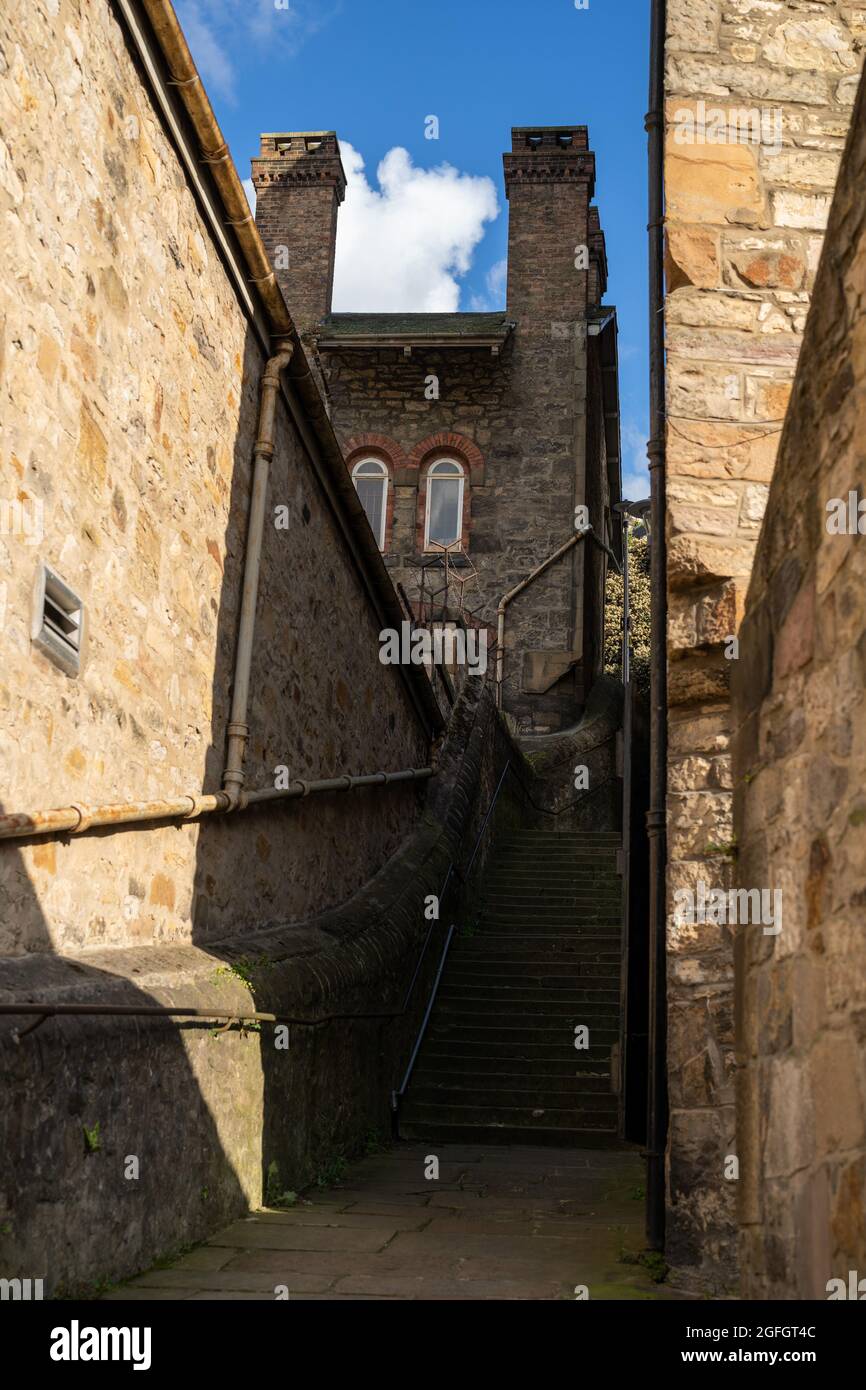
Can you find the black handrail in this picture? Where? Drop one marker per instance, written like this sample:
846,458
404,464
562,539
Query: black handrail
398,1093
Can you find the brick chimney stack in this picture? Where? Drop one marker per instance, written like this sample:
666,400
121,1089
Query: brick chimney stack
597,259
549,182
300,182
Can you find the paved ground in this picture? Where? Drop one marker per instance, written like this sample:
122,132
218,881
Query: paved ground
499,1223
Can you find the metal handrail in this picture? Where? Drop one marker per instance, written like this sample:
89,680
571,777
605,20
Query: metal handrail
398,1093
397,1096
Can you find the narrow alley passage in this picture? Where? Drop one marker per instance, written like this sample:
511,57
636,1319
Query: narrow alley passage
500,1222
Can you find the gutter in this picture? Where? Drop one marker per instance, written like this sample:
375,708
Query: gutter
656,819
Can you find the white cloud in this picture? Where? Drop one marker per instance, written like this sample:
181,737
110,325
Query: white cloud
404,245
251,193
495,282
635,471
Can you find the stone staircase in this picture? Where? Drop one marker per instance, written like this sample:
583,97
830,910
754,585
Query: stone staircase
498,1062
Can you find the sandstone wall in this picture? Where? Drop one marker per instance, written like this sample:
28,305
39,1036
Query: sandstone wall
129,401
745,222
799,703
220,1121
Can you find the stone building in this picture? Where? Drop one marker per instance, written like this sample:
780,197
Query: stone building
799,716
758,104
476,434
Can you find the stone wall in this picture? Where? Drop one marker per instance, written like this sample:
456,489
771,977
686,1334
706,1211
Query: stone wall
799,704
219,1121
130,381
758,103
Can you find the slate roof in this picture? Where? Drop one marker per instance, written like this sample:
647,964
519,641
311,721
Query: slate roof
415,327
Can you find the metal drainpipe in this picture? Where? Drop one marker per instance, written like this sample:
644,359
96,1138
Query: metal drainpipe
657,1097
512,594
238,729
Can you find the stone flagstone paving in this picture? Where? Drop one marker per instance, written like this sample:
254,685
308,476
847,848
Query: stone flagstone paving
500,1223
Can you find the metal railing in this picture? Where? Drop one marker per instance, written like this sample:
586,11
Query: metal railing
399,1092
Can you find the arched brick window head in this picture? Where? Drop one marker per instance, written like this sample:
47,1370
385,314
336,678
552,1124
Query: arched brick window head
444,520
370,477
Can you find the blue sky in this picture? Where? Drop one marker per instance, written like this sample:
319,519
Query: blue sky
374,70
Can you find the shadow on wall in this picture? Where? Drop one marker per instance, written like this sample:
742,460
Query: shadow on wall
105,1134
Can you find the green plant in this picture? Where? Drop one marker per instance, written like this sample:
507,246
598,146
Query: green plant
654,1264
726,850
373,1142
92,1141
275,1195
640,612
332,1172
242,969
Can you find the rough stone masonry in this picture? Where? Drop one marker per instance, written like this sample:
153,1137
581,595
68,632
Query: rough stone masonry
745,220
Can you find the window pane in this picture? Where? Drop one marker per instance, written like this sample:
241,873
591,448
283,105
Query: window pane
444,509
371,493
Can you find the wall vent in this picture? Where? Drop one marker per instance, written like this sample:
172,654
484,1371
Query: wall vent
58,621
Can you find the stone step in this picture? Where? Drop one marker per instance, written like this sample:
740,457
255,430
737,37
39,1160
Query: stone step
574,916
516,1117
569,856
476,1079
546,925
521,1040
546,896
534,1097
494,975
483,997
572,836
551,951
434,1061
557,844
519,884
480,1134
515,948
497,1056
506,1021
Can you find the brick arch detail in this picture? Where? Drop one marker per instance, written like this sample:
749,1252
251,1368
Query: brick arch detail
393,453
389,452
446,442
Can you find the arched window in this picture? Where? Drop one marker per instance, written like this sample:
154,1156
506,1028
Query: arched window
370,477
444,521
